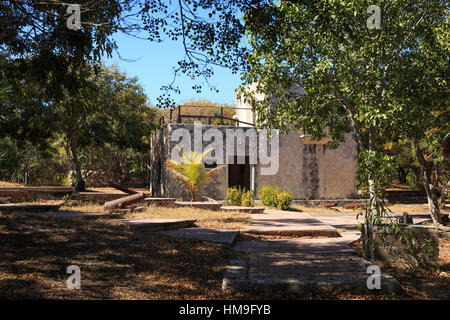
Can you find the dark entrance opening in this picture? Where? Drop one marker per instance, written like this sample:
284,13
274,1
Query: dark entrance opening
239,173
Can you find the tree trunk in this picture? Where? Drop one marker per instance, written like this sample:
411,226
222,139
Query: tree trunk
25,169
425,176
192,194
372,188
124,201
73,149
123,189
402,174
444,193
368,249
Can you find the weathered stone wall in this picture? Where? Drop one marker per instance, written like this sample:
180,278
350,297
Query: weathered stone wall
310,171
164,184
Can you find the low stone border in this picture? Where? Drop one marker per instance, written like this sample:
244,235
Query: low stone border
154,224
25,193
6,208
199,205
252,210
337,202
395,252
76,214
330,232
98,197
5,200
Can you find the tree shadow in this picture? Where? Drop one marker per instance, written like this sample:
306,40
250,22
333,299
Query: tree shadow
116,262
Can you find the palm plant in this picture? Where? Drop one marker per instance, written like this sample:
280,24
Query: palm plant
191,171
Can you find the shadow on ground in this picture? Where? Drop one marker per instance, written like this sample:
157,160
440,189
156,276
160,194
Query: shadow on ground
115,262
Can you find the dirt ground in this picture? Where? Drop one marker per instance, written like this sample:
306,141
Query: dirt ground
118,263
231,220
115,262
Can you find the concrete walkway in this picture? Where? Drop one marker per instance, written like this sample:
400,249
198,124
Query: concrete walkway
289,223
302,265
303,272
295,245
226,237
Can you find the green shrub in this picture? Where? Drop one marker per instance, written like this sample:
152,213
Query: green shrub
284,200
273,197
414,182
248,199
268,195
234,196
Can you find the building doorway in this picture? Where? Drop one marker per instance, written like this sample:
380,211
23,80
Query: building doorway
239,173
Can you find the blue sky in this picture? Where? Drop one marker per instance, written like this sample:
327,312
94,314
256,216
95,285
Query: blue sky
154,68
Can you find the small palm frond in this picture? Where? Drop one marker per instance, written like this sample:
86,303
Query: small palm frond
177,170
210,173
191,171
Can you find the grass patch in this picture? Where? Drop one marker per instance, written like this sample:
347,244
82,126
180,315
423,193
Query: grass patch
10,184
83,207
233,220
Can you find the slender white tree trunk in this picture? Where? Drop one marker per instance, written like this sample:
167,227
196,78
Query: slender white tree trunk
425,175
371,181
373,200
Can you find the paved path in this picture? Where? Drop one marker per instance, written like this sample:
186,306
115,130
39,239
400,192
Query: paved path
343,221
302,265
295,245
347,220
303,272
289,223
207,234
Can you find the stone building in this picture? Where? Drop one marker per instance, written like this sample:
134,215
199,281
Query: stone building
305,167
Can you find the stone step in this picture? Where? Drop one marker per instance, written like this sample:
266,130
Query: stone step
26,193
199,205
98,197
154,224
277,222
7,208
251,210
